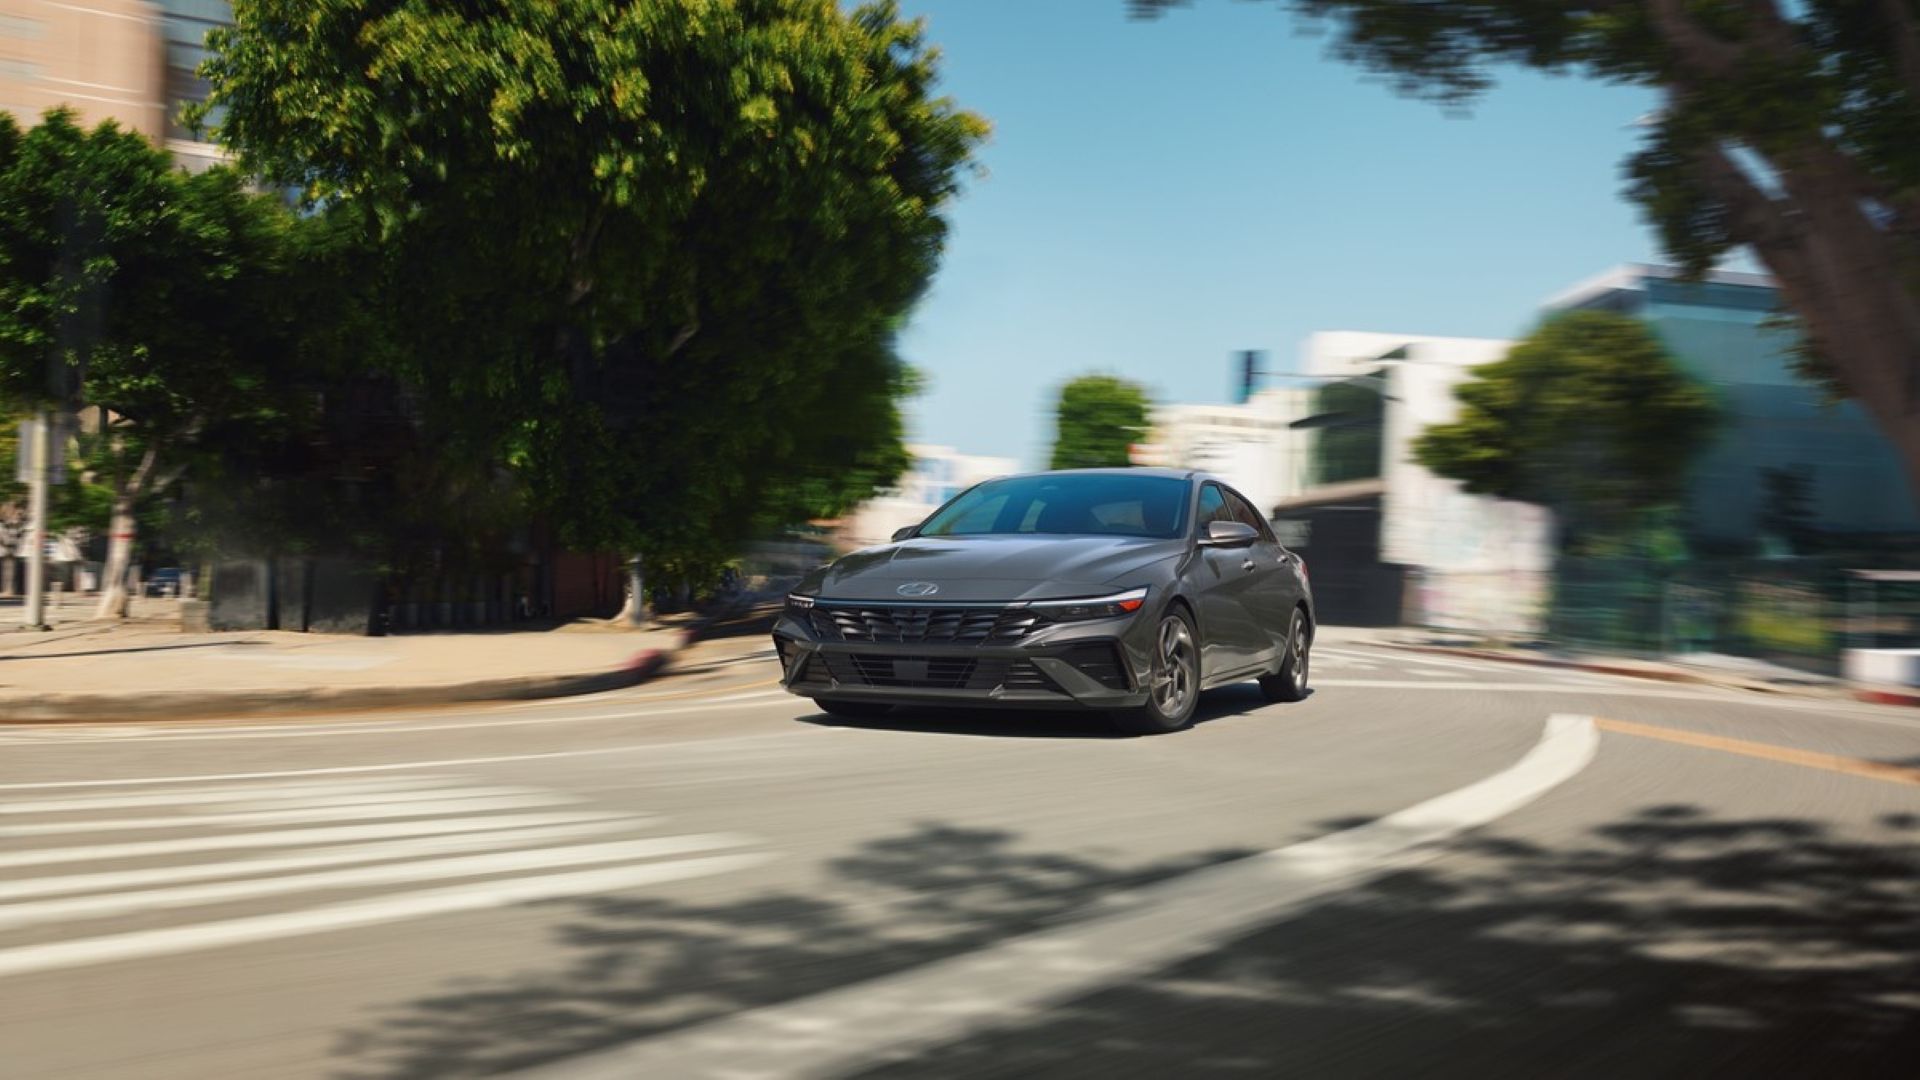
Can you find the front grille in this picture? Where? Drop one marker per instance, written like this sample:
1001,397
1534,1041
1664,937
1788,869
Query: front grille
1098,662
924,625
1023,675
813,672
915,672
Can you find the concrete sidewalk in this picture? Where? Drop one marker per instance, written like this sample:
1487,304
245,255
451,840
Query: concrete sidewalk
149,669
1702,669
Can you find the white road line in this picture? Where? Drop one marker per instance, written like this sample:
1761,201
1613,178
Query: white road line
185,796
1884,716
13,916
275,817
836,1032
398,766
142,944
379,851
366,798
140,849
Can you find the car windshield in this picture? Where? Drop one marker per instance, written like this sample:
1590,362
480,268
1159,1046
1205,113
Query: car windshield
1098,504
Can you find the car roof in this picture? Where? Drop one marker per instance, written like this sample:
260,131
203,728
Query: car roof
1171,474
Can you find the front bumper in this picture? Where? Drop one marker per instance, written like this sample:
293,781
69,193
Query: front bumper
1086,666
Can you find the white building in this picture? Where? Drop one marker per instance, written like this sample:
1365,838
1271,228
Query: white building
938,474
1467,562
1252,446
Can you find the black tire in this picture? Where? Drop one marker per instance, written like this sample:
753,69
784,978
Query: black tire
1173,683
852,710
1290,682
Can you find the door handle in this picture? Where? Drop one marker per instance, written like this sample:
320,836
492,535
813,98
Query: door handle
1247,564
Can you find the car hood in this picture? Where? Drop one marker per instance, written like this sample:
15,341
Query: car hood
990,568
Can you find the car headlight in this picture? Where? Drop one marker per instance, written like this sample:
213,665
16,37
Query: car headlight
1098,607
798,606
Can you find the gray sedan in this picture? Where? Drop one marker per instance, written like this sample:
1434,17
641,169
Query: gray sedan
1125,590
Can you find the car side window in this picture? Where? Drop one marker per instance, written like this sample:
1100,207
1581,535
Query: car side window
1244,513
1213,507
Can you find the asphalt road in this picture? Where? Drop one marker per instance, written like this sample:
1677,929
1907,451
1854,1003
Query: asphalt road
1431,866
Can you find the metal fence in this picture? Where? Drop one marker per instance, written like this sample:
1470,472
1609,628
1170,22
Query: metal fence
1800,613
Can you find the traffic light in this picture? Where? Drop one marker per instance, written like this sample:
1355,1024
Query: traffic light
1249,369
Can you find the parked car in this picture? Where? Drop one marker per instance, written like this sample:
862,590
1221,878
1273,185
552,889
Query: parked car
164,582
1126,590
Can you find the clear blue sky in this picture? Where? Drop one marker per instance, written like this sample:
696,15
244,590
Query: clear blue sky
1160,194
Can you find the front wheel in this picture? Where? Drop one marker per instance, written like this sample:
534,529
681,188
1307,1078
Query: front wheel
852,710
1173,682
1290,682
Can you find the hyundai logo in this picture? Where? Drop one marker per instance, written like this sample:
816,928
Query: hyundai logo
918,588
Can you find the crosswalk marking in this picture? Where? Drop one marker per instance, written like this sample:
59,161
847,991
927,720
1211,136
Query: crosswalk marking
332,856
269,817
141,944
337,837
90,907
287,838
185,796
362,798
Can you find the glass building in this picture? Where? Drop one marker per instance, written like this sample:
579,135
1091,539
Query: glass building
1782,440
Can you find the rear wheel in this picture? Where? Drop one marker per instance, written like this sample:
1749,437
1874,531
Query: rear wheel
1290,682
1173,682
852,710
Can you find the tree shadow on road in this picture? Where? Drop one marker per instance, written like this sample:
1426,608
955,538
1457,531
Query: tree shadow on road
640,967
1669,943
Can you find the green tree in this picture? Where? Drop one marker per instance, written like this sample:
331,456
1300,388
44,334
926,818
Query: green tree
1587,416
1097,421
1792,129
651,256
141,300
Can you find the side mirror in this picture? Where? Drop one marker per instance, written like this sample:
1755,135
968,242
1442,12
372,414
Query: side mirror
905,533
1229,534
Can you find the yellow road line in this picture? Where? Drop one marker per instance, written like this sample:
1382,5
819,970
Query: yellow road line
1870,770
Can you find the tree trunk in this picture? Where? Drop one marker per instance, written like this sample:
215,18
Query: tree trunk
114,597
121,533
1844,276
634,613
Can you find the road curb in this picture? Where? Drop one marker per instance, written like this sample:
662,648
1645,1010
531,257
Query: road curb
195,704
90,707
1909,698
1602,667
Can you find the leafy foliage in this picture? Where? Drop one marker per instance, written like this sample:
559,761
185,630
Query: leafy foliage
1792,129
1588,416
650,257
1097,421
154,300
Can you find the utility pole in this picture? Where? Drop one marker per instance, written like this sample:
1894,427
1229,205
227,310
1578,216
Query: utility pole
38,480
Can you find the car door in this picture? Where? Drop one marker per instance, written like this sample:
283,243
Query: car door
1231,638
1272,589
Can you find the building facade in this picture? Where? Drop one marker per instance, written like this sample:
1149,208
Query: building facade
1252,446
938,474
1389,541
132,61
1774,422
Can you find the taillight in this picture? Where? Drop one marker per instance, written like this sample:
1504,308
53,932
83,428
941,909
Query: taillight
1302,563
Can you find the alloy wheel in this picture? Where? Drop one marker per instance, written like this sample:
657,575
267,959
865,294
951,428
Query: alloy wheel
1173,680
1299,650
